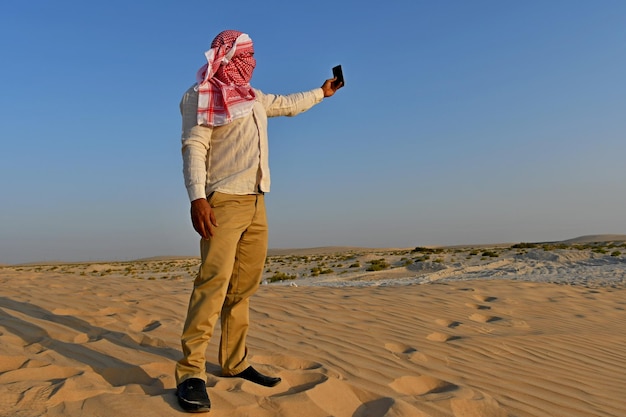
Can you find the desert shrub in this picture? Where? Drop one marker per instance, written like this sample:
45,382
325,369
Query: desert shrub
552,246
420,249
355,265
616,253
400,252
599,250
378,265
280,276
490,254
524,245
319,270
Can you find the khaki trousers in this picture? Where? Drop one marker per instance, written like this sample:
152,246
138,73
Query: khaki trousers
230,272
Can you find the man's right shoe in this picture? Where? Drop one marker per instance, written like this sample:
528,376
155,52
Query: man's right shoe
192,396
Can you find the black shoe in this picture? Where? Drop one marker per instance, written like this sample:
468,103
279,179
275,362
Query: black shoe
192,396
253,375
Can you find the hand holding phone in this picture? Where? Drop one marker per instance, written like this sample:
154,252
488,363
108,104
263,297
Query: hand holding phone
338,74
331,85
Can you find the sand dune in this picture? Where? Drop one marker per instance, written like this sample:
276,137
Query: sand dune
596,238
532,332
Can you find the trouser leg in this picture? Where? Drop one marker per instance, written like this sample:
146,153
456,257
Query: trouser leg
220,256
245,280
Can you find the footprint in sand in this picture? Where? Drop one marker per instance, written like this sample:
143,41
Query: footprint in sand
484,298
400,350
477,306
441,337
303,382
447,323
483,318
332,397
151,326
520,324
276,363
153,342
421,385
470,403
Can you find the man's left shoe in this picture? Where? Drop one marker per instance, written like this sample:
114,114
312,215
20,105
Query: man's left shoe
255,376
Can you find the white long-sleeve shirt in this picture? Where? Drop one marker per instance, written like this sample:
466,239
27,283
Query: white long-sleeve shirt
233,158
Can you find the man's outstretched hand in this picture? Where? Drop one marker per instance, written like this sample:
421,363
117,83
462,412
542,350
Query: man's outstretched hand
203,218
329,87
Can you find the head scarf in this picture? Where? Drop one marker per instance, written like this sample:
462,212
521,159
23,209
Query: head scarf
224,91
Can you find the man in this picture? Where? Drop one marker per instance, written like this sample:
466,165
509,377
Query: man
225,165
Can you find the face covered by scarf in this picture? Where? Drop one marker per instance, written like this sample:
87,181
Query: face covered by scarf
224,91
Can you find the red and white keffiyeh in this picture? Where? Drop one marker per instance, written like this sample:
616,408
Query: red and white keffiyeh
224,91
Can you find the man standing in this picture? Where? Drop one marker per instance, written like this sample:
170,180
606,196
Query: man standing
225,165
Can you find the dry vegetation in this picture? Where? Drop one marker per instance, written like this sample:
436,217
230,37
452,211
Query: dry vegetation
352,264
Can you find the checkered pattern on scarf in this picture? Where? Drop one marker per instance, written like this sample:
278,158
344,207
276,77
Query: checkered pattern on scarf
239,70
224,91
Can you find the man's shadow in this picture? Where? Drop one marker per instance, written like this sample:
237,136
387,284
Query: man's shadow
114,370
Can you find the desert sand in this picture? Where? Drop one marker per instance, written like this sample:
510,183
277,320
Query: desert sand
491,331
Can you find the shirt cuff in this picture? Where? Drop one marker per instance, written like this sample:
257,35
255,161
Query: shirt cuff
319,94
196,191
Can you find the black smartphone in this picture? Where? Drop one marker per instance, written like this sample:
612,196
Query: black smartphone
338,73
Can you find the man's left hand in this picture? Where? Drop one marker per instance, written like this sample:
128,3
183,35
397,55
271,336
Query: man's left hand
329,87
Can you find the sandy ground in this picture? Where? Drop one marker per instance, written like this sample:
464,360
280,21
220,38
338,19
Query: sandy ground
531,330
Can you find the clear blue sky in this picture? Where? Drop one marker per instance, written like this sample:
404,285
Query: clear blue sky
461,122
